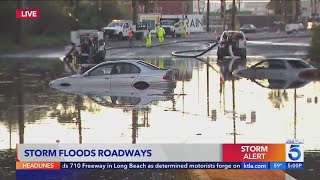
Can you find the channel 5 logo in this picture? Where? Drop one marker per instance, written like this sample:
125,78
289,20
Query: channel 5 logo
294,151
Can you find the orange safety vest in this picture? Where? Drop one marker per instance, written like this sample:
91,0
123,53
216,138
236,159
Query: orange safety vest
130,34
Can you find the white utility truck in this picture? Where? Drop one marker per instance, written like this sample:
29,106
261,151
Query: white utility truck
119,29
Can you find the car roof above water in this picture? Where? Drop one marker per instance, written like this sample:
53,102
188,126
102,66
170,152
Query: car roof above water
122,60
285,59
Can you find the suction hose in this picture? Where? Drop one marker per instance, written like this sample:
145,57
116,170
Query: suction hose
233,58
203,51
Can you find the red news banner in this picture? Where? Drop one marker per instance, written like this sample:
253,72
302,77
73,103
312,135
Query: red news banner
254,153
27,13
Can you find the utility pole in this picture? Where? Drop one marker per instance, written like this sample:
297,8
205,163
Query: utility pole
233,18
208,13
134,7
20,102
311,6
134,125
285,12
294,10
79,103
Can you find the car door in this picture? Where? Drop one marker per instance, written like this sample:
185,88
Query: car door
98,79
124,74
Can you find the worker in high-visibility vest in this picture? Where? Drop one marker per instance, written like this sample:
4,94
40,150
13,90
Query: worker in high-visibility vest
161,33
185,29
161,62
310,25
148,39
130,38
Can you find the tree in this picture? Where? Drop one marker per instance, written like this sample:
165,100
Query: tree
135,7
277,98
285,7
315,44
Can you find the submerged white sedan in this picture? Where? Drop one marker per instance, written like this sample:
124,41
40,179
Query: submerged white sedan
277,68
111,75
281,83
131,98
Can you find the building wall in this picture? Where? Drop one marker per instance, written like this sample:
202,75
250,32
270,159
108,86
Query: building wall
174,7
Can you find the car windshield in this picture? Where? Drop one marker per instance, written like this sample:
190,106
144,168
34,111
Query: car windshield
115,24
167,22
150,66
297,64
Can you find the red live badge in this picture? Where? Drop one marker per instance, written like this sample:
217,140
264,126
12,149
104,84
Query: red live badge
27,13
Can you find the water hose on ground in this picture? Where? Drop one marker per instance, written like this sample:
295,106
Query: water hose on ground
233,58
203,51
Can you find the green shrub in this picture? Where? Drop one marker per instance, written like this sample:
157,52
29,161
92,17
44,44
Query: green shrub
315,45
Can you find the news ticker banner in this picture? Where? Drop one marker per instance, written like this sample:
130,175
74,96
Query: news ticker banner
158,165
160,156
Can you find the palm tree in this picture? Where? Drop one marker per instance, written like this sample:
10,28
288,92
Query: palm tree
277,98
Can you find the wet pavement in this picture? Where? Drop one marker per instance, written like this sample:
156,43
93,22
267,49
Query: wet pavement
257,42
208,105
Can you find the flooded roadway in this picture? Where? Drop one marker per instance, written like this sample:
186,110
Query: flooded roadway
208,105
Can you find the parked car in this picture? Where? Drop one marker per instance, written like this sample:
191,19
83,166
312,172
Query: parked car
121,73
293,28
238,41
248,28
277,68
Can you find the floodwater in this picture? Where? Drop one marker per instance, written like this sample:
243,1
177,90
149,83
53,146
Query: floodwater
208,105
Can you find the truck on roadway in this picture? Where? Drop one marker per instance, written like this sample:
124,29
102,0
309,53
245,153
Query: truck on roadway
119,29
173,26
